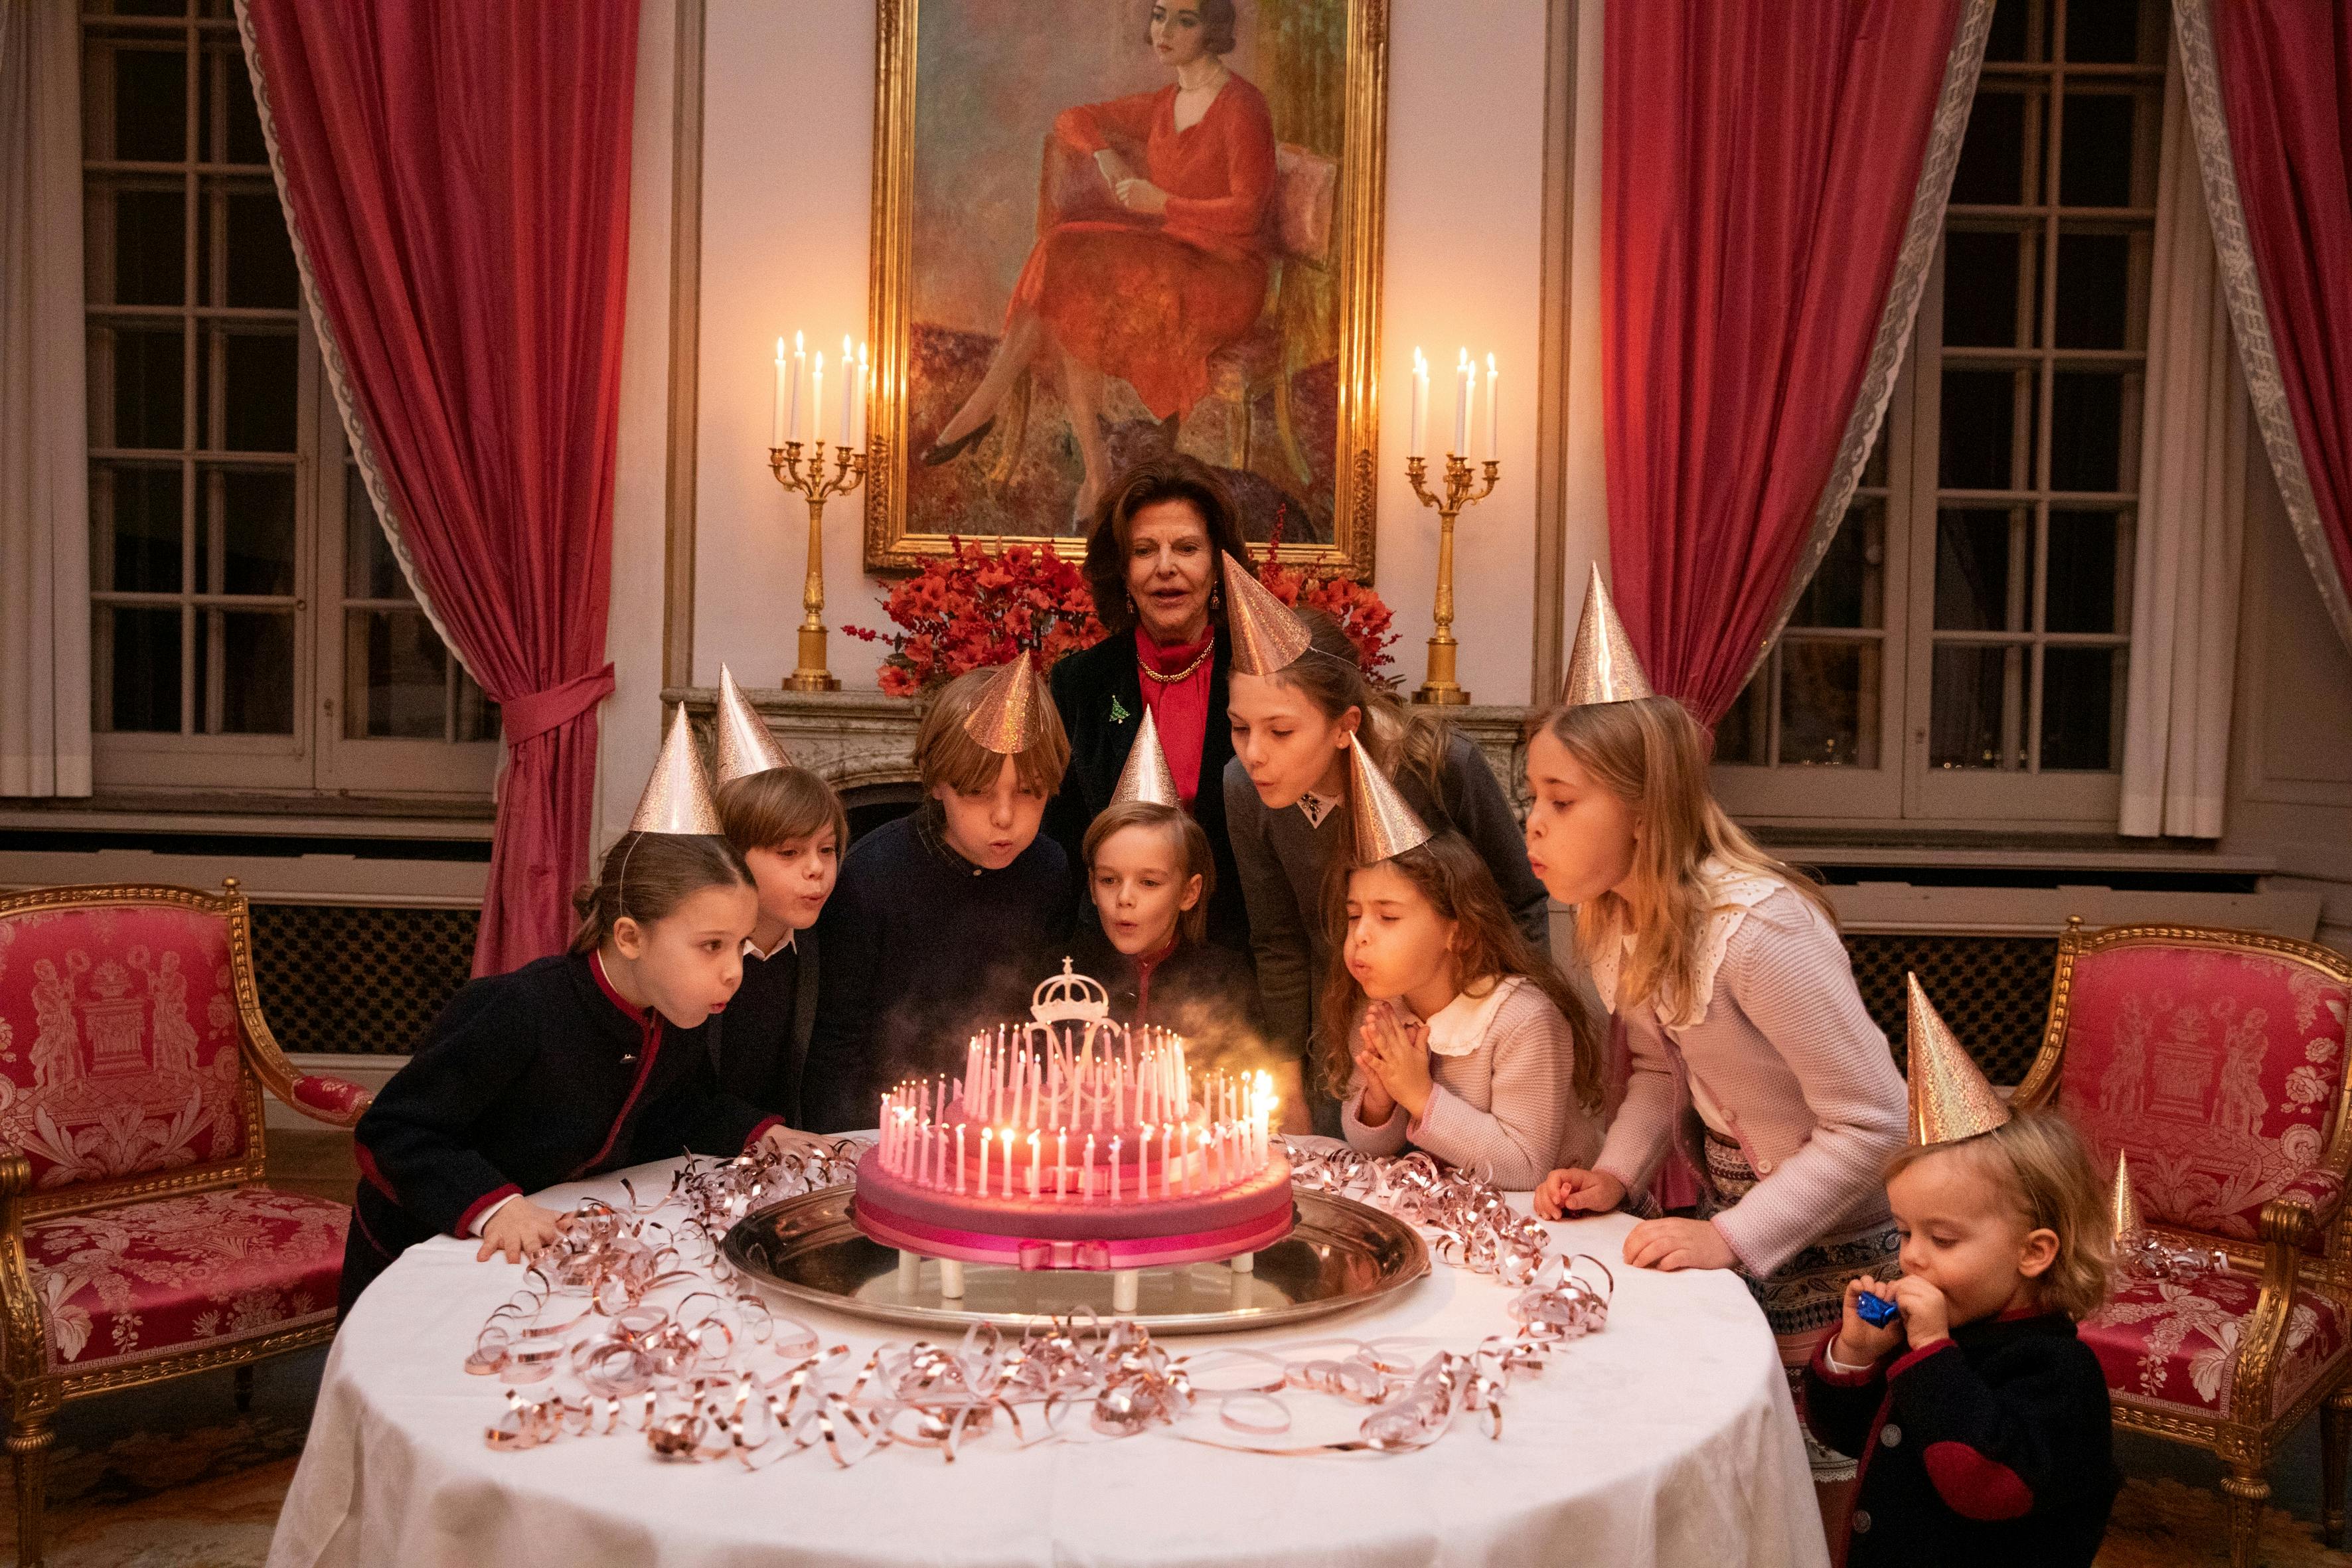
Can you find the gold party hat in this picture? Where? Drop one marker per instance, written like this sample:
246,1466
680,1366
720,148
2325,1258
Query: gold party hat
2128,1220
1146,776
1949,1096
1011,715
1601,666
1266,635
746,746
678,797
1385,826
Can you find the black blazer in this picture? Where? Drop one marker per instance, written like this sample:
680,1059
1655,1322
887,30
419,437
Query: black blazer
1099,695
759,1045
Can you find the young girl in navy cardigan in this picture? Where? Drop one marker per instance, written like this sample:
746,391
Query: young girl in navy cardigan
573,1064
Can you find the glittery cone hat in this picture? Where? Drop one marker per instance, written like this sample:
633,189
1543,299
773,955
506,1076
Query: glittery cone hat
678,797
745,745
1146,776
1949,1098
1385,827
2128,1221
1266,635
1601,666
1010,717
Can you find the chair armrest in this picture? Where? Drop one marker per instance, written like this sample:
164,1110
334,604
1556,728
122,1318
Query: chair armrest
15,1181
338,1103
23,1331
2319,1192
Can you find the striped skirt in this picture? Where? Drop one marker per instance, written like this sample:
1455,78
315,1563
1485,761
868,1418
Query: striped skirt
1804,1297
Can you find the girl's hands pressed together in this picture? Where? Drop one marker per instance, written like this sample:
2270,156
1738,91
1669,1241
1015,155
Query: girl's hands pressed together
1403,1054
1668,1244
1573,1191
1377,1104
521,1229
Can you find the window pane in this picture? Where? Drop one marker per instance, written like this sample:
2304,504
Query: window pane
369,572
252,511
2090,573
136,238
1874,468
2095,156
226,76
151,104
256,671
2088,411
2109,32
2082,708
1829,704
1974,688
245,239
134,547
2008,39
135,389
1988,423
478,716
2096,290
1999,158
140,651
1741,736
1982,557
1991,289
1846,591
257,371
395,675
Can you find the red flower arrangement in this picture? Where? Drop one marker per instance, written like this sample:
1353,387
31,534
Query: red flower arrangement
969,609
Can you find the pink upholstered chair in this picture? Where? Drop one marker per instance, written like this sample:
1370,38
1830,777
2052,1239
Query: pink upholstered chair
136,1240
2216,1060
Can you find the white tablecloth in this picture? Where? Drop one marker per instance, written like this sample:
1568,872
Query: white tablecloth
1667,1438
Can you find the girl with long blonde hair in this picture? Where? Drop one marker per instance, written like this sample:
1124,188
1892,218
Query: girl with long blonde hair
1748,1045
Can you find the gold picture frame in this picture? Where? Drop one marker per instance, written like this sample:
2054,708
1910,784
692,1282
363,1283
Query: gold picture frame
1309,364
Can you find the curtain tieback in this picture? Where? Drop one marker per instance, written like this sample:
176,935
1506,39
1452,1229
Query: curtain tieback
536,712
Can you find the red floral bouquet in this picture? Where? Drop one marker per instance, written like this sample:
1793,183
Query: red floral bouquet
970,609
1357,607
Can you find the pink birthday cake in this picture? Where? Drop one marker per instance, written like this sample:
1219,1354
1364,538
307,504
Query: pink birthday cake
1071,1141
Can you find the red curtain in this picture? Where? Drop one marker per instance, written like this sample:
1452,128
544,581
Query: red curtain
2286,92
1759,164
458,180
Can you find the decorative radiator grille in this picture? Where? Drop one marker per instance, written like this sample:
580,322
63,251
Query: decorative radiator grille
339,979
1994,990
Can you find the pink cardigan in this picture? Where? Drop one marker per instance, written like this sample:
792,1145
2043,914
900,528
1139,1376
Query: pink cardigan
1803,1076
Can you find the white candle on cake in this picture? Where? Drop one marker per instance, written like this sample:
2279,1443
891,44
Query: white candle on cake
1087,1171
1033,1167
1114,1168
959,1159
1062,1163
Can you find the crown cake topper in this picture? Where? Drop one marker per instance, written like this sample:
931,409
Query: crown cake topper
676,799
1070,997
745,745
1146,776
1384,825
1602,665
1266,635
1951,1099
1010,717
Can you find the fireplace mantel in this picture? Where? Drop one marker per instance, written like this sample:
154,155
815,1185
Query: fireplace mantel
859,741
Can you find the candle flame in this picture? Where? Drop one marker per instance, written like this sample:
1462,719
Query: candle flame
820,362
1490,365
1463,362
799,344
780,350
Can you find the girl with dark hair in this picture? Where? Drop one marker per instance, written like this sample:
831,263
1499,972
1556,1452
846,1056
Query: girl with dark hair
1151,563
1287,807
586,1062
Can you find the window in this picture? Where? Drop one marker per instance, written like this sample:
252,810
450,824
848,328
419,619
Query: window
1961,654
248,627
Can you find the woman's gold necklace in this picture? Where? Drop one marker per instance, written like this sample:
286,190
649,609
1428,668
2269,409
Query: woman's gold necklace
1198,660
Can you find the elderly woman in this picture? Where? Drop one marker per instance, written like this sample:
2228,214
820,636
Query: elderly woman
1152,562
1180,272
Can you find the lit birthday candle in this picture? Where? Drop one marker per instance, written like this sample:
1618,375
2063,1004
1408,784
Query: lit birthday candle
959,1159
1087,1171
987,1137
1062,1163
1032,1166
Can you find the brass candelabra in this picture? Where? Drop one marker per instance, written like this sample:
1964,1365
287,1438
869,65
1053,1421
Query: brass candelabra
1440,687
817,487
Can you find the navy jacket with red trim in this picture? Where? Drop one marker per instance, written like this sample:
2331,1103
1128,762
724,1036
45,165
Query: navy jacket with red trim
1992,1446
528,1079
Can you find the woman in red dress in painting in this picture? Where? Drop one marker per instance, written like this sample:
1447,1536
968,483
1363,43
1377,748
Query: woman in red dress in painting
1150,294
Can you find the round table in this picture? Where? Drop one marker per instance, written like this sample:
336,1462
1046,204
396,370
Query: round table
1669,1437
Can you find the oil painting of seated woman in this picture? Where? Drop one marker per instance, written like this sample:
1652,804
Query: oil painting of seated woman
1124,242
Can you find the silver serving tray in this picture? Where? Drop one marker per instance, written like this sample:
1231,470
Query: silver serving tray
1341,1255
